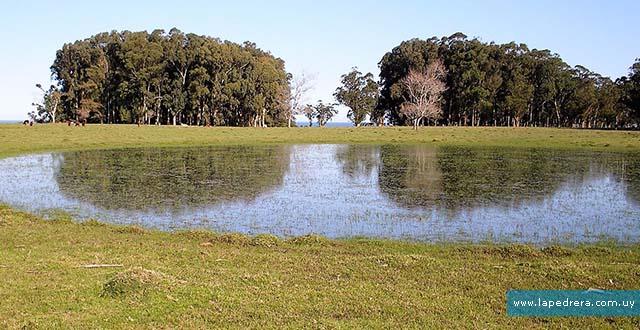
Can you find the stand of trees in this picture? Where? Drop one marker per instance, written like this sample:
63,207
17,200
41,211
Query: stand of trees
177,78
320,111
169,78
489,84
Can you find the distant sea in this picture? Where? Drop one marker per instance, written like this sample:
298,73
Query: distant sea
9,122
329,124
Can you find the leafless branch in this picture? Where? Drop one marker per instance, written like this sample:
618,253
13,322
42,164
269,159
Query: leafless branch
423,90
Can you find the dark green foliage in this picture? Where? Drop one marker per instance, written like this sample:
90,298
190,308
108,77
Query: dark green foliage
170,78
359,92
630,93
324,112
320,111
510,85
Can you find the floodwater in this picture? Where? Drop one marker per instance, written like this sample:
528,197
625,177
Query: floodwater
414,192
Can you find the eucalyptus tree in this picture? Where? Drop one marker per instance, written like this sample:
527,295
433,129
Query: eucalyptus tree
81,70
142,58
170,78
507,85
359,92
324,112
630,90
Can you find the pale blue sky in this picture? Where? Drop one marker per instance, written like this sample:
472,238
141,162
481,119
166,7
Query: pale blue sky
324,38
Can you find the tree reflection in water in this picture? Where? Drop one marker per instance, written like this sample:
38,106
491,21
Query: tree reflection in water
455,178
170,179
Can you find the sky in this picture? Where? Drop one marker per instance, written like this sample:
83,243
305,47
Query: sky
322,38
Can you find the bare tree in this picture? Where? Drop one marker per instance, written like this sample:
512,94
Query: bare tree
50,101
300,86
423,93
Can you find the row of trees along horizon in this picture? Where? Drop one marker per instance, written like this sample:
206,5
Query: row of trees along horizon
176,78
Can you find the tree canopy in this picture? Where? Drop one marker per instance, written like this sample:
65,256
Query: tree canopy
170,78
184,78
508,85
359,92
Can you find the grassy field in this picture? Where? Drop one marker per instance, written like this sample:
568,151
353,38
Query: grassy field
17,139
202,279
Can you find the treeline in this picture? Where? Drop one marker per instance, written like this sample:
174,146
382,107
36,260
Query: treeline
490,84
167,78
177,78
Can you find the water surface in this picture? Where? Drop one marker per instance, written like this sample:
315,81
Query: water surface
409,192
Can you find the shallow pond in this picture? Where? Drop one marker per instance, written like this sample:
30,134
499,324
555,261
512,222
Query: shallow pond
409,192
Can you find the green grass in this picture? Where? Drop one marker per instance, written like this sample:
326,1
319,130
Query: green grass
201,279
17,139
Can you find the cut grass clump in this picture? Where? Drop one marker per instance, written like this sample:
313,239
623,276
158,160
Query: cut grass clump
518,251
265,240
93,223
130,230
503,251
198,235
397,261
134,281
309,240
597,250
557,251
233,238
